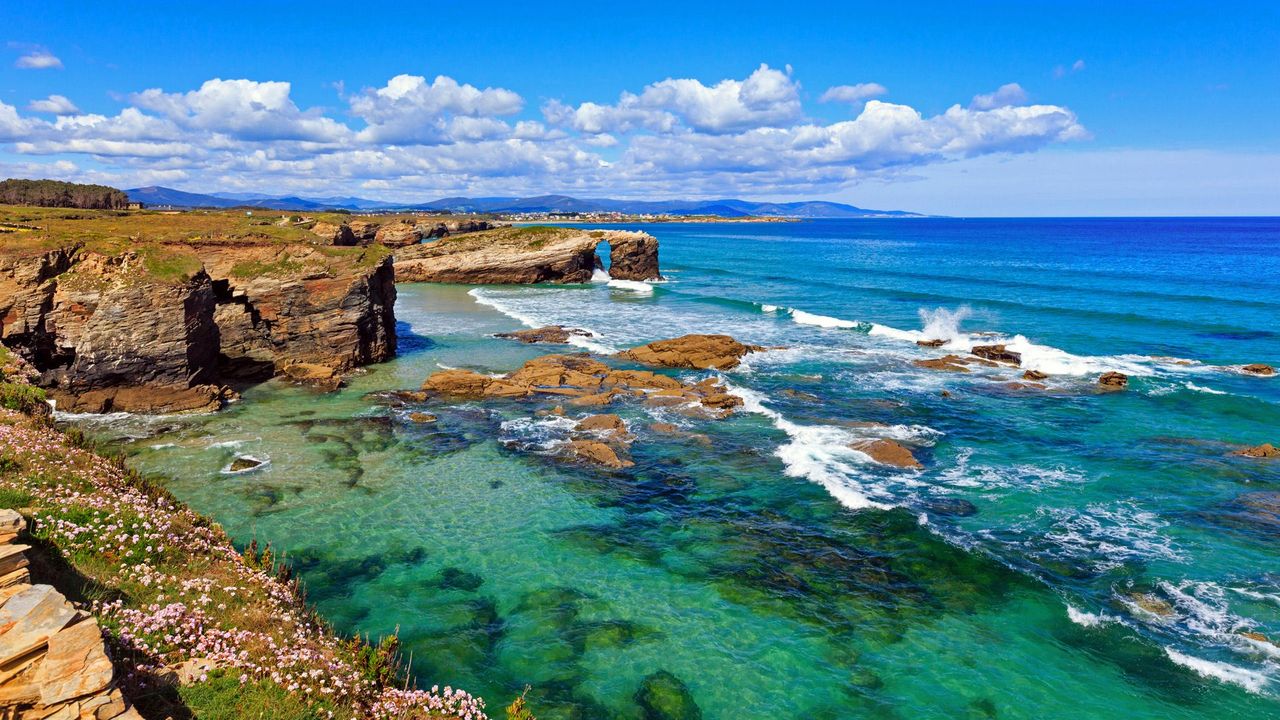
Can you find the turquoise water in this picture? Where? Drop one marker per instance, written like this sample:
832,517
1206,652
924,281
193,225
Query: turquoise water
772,570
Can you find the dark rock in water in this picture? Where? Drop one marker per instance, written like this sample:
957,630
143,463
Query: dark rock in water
1265,450
953,507
452,578
866,679
1259,369
948,363
1034,375
931,343
798,395
243,463
558,334
422,417
1114,381
663,696
997,353
1261,509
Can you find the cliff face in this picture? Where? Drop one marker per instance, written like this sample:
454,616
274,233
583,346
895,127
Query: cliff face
528,255
109,333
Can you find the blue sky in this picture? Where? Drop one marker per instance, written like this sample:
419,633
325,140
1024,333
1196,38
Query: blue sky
970,109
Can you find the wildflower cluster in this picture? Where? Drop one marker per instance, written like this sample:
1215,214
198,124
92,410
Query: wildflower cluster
179,589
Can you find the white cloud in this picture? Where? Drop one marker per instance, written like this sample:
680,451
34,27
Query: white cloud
1005,95
244,109
853,94
38,59
408,110
54,104
414,138
766,98
1062,70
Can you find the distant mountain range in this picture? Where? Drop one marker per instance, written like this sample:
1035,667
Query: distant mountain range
163,196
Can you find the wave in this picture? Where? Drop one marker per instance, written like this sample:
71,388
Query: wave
586,343
819,453
806,318
1200,388
637,286
1087,619
600,276
1251,680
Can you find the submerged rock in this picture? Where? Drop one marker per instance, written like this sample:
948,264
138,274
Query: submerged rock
1152,604
1113,381
952,507
887,452
946,363
318,376
599,453
701,352
931,343
997,353
557,334
422,417
1034,375
663,696
1259,369
607,423
244,463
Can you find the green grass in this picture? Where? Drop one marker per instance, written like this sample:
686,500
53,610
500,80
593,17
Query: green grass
23,398
257,268
223,697
167,264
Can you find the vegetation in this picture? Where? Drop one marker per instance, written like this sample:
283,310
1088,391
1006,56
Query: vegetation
57,194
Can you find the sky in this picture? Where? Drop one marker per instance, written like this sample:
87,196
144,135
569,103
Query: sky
973,109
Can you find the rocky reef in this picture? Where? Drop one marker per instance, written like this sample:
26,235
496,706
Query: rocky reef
528,255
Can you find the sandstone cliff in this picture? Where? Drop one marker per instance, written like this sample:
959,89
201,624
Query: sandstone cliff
528,255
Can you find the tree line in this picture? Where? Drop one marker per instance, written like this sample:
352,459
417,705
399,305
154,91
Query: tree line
55,193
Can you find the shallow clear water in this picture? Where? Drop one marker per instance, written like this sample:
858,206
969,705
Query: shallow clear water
774,571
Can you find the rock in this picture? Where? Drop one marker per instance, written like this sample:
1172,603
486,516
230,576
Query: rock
29,618
633,256
798,395
599,453
1034,375
662,696
399,234
1265,450
951,507
607,423
421,417
74,665
947,363
722,401
502,256
1259,369
1113,381
319,376
887,452
1152,604
1261,508
333,234
931,343
997,353
549,334
466,384
719,352
244,463
364,231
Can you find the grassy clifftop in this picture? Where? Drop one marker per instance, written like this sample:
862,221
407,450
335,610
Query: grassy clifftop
195,627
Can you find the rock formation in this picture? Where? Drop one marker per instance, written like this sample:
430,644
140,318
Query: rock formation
1259,369
1113,381
887,452
1265,450
53,663
555,334
527,255
128,332
394,232
997,353
701,352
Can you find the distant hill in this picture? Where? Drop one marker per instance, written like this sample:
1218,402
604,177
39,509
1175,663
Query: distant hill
538,204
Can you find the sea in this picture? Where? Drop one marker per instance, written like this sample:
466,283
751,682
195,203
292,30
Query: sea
1064,552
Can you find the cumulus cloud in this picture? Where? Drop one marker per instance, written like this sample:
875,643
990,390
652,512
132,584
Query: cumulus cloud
38,59
853,94
54,104
767,97
1005,95
412,138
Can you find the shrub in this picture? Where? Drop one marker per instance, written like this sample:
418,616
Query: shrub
23,398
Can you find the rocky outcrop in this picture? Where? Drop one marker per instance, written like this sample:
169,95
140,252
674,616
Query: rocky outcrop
947,363
1265,450
555,334
53,662
887,452
702,352
334,234
633,256
394,232
528,255
163,329
997,353
1258,369
1113,381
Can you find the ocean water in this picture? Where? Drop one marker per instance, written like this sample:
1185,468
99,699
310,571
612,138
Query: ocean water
1063,553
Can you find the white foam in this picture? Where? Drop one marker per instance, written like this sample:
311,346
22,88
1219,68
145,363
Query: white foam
600,276
1087,619
1200,388
586,343
943,324
1251,680
819,453
769,308
824,321
636,286
262,463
